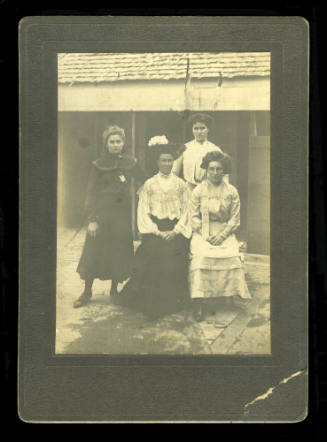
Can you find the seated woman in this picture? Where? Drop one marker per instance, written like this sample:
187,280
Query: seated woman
108,249
216,268
158,285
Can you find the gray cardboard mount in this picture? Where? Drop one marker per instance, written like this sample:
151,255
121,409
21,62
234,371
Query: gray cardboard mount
103,388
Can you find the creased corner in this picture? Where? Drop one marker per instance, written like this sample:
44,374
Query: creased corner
270,390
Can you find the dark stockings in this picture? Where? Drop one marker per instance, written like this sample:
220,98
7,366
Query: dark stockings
86,295
88,285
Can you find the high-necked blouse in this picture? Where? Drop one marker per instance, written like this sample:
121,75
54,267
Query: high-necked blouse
215,203
164,196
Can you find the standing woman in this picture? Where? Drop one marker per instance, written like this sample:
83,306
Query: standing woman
108,247
159,282
189,164
216,269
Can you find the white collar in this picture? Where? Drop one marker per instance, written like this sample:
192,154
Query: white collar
200,144
165,177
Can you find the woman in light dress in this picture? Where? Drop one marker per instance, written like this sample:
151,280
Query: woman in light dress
216,268
188,165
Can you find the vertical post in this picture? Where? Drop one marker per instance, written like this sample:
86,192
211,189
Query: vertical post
184,140
259,191
60,173
133,152
244,126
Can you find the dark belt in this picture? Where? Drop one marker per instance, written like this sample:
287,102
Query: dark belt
164,224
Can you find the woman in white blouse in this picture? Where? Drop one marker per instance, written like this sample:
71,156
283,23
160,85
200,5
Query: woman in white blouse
216,268
158,284
188,164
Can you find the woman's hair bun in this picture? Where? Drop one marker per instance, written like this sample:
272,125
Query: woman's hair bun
221,157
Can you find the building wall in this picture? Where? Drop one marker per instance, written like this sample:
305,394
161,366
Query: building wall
252,93
259,205
258,213
80,143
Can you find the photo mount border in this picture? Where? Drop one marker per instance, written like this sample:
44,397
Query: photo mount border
39,145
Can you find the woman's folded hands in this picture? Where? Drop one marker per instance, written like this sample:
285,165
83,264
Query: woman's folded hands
216,240
168,236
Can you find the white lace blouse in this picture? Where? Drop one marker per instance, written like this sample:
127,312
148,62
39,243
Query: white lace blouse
164,196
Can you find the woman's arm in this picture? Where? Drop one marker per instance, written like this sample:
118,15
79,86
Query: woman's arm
184,224
195,210
90,200
234,219
144,222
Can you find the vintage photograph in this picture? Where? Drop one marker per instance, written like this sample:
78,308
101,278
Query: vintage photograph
163,203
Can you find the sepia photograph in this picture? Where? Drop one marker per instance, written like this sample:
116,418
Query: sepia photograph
163,227
163,203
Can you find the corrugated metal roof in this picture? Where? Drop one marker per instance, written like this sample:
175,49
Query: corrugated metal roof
110,67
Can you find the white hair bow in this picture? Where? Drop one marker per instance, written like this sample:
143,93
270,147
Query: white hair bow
159,139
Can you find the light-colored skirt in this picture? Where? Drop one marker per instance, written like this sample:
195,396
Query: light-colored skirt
216,271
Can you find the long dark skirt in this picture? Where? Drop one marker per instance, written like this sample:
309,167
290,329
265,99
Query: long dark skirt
110,254
158,285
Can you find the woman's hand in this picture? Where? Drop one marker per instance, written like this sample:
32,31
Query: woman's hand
168,236
162,235
93,229
215,240
171,235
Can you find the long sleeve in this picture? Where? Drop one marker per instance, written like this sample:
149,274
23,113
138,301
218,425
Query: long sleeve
195,209
184,224
144,222
90,200
178,166
234,220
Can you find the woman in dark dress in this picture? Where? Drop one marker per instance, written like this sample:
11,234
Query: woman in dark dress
108,249
158,285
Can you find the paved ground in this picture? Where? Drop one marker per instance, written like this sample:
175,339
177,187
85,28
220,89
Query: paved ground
103,328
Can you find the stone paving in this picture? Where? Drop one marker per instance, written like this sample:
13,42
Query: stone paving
103,328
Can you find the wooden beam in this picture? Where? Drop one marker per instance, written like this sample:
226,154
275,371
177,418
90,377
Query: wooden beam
244,94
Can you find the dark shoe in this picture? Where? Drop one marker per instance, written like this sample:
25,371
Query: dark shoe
83,299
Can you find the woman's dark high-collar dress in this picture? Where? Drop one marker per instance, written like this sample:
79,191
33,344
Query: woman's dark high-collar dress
108,202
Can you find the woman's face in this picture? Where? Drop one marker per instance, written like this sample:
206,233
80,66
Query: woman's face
115,144
215,172
200,132
165,163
